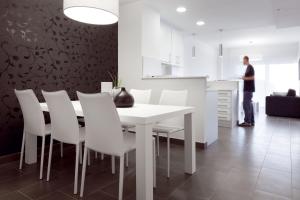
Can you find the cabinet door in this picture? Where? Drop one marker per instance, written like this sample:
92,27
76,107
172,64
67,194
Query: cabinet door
177,48
166,43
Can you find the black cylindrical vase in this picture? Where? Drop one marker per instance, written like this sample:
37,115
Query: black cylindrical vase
123,99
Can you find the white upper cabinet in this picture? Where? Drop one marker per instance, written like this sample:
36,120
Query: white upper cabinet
177,48
172,45
165,43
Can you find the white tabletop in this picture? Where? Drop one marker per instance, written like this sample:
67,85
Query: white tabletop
140,113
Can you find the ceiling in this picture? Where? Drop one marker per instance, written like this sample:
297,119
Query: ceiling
260,21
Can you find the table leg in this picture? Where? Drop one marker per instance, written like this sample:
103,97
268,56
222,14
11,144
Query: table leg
189,144
30,149
144,162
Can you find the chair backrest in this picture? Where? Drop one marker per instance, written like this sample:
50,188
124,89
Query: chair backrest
34,121
174,98
64,121
141,96
103,127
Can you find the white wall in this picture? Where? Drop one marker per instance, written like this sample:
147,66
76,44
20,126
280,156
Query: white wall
299,50
206,61
130,42
150,29
299,55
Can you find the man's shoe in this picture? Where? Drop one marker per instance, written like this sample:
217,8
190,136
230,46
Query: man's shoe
245,124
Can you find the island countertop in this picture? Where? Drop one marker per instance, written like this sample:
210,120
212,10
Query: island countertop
175,77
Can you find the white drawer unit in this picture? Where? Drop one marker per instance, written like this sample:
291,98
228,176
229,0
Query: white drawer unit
227,113
224,106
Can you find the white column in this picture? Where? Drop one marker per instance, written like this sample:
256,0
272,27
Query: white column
144,162
189,144
30,149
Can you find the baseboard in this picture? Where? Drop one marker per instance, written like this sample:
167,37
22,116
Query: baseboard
16,156
181,142
9,158
199,145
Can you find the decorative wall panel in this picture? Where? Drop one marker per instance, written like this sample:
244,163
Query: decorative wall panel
42,49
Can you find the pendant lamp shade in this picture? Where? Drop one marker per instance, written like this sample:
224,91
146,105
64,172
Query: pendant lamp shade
98,12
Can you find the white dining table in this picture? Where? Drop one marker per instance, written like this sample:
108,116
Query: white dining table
144,116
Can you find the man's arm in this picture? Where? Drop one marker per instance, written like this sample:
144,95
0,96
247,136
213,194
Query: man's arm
248,78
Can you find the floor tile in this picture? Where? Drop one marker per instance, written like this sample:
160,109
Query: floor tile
56,196
296,194
14,196
201,185
261,195
242,180
296,180
283,163
275,181
226,195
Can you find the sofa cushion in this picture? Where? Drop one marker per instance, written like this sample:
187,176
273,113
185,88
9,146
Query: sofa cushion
291,93
282,94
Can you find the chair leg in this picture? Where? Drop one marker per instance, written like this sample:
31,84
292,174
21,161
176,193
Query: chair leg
127,159
80,153
168,155
157,143
154,165
83,171
50,159
22,150
89,158
42,158
113,164
61,149
102,156
76,168
126,130
121,177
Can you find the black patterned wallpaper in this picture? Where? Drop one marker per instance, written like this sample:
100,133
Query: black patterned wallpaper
42,49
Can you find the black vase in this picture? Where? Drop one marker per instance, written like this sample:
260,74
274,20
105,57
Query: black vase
123,99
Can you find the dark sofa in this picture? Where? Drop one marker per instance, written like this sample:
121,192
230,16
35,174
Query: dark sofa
283,106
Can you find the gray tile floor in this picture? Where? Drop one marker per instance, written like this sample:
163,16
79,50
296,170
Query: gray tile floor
261,163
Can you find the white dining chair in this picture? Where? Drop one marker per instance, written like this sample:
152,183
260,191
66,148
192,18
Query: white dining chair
171,126
140,97
104,133
65,127
34,122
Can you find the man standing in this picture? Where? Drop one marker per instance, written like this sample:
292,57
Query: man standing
249,89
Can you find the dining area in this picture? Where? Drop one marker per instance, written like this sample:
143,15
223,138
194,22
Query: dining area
78,122
108,130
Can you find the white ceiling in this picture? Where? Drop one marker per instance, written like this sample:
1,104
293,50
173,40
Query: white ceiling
260,21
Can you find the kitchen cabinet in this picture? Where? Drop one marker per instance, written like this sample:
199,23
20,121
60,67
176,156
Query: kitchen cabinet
227,108
172,46
177,52
166,43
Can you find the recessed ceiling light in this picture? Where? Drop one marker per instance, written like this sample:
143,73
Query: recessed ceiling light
181,9
200,23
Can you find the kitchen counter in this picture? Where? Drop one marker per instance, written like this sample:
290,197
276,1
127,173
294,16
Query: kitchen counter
175,77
